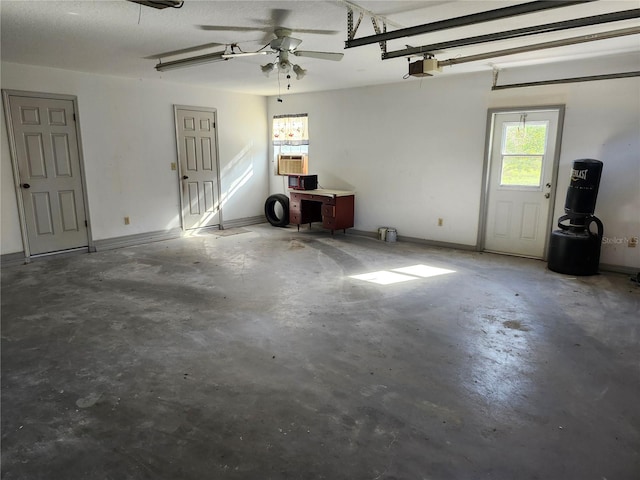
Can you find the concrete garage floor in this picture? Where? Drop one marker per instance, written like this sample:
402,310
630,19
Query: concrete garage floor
254,355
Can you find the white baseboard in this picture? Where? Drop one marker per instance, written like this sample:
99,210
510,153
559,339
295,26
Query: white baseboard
243,222
422,241
137,239
10,259
141,238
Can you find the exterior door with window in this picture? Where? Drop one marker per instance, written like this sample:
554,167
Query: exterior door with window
46,155
199,171
521,170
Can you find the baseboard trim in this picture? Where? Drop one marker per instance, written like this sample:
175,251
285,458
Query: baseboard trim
457,246
141,238
363,233
243,222
11,259
437,243
605,267
422,241
136,239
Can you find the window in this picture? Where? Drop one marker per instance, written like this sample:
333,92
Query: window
523,148
290,137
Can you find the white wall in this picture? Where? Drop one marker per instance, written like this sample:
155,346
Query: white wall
414,151
128,141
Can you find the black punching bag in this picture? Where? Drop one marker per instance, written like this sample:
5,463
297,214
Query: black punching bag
583,188
575,248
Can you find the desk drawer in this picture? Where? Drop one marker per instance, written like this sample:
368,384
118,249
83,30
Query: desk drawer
294,207
294,218
329,222
324,199
328,210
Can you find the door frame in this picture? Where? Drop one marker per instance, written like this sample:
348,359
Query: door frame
6,94
179,169
486,168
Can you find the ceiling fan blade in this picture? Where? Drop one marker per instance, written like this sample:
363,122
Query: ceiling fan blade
183,50
224,28
316,31
336,57
279,16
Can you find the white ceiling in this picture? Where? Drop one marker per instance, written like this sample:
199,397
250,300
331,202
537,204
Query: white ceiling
116,37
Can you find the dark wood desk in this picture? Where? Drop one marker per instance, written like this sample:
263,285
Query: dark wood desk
334,208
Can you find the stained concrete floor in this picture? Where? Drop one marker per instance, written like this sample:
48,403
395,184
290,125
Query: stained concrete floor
254,355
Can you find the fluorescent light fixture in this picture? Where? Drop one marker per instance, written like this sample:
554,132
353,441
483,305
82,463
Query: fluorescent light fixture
191,61
159,4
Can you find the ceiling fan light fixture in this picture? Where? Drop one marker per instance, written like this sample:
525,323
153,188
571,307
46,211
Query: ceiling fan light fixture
267,69
284,66
299,71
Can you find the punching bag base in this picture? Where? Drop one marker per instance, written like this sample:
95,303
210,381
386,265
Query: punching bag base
574,253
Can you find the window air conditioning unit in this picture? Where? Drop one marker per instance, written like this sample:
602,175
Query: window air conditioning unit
293,164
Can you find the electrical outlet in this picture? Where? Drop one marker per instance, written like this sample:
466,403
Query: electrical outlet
127,220
633,242
440,221
174,166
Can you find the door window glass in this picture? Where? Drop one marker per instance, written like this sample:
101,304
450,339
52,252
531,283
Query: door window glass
523,147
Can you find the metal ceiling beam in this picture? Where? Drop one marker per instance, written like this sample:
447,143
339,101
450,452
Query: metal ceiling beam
592,78
481,17
519,32
354,6
541,46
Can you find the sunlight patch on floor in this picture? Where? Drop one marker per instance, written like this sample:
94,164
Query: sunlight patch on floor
399,275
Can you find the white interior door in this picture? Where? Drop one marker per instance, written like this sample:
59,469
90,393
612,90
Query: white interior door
199,174
521,182
46,152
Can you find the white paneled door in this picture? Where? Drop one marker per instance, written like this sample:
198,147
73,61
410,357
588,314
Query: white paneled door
521,182
198,159
45,147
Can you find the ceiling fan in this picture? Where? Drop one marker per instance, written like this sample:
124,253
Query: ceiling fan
283,45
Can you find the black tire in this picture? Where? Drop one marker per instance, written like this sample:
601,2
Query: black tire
270,210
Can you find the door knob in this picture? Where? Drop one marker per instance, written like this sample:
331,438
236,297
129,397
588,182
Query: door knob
26,185
547,195
185,177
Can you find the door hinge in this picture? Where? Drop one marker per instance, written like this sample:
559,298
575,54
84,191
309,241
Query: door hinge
74,117
86,223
